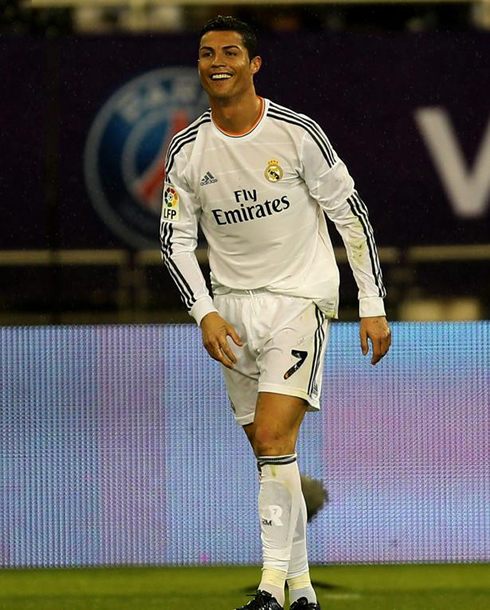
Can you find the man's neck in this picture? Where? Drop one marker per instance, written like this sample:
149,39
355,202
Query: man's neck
237,116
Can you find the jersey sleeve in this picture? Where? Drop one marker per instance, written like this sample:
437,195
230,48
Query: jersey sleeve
178,237
331,185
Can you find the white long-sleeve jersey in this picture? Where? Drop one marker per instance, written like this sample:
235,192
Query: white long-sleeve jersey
260,200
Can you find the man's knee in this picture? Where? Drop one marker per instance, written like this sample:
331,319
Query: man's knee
267,441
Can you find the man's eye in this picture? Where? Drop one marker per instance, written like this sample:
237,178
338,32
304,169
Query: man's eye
231,53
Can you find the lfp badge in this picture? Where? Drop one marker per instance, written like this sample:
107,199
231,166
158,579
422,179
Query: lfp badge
126,146
170,207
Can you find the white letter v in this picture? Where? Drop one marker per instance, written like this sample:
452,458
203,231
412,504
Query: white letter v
468,191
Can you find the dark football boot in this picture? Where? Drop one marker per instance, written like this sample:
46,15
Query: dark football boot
262,601
302,604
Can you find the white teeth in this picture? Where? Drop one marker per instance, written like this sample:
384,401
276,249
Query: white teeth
220,76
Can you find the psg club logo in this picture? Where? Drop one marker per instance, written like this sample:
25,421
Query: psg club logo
126,146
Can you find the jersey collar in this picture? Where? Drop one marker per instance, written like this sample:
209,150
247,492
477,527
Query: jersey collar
258,122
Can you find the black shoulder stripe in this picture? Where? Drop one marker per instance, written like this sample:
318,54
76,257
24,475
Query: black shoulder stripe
306,121
182,138
186,132
183,132
313,126
307,128
170,161
301,117
204,118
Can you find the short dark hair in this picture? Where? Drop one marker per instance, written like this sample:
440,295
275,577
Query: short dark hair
224,23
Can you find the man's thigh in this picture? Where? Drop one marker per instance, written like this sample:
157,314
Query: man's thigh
276,424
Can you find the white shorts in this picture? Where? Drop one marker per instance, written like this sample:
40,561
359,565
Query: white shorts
284,340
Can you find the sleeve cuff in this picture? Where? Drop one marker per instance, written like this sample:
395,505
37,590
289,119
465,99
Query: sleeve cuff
371,307
201,308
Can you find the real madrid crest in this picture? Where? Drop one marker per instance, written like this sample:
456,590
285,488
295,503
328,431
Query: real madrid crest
273,171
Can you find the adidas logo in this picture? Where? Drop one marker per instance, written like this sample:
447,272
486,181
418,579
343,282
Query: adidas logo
208,178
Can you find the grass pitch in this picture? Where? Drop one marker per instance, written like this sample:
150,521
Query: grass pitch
380,587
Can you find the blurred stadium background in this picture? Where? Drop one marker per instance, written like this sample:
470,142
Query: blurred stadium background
107,400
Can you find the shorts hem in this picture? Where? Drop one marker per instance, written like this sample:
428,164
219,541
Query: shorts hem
243,420
313,403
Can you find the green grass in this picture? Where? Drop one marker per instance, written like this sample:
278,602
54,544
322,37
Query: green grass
384,587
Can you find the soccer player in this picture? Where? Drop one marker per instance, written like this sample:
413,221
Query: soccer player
259,179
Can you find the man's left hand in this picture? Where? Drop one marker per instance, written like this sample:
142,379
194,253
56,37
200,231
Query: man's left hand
378,331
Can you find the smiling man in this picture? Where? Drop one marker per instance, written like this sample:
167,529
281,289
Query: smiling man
259,179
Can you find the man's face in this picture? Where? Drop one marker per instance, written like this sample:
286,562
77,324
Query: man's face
224,65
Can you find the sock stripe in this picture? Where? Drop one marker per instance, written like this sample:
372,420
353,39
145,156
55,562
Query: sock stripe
282,463
276,460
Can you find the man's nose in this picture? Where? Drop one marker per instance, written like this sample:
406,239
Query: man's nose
219,60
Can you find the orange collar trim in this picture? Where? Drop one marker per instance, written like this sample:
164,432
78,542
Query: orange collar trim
245,133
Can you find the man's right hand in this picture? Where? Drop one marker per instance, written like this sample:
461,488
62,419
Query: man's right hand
215,331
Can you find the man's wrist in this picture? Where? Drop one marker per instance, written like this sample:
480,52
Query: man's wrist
207,316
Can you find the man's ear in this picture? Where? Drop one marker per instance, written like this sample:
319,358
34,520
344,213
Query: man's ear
255,64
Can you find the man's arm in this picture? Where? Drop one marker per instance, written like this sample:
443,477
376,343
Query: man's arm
331,185
178,237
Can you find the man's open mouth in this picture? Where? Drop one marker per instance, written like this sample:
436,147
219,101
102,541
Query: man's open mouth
220,76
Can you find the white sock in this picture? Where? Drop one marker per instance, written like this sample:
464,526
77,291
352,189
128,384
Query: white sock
298,576
279,505
299,587
273,582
